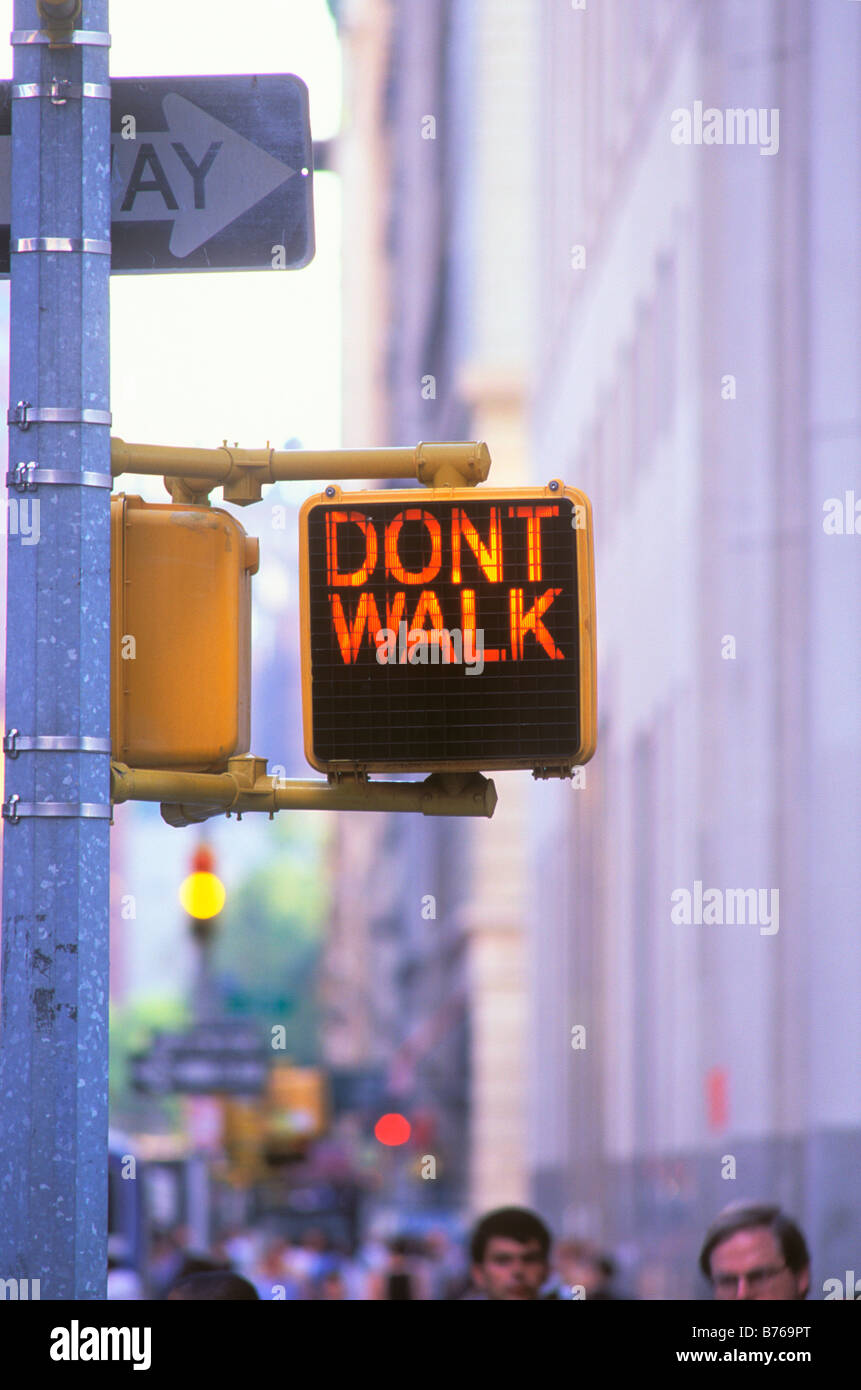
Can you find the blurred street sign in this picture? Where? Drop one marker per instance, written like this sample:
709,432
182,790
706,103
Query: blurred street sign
207,173
226,1035
448,628
210,1059
259,1001
357,1089
199,1073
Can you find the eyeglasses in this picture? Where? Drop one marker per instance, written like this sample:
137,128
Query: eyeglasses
726,1285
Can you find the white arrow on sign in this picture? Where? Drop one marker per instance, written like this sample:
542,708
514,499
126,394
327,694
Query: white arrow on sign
199,174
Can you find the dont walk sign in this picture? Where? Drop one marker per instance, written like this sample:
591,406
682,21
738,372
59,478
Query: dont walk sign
448,629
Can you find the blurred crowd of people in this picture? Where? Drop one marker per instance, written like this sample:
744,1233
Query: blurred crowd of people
751,1251
312,1267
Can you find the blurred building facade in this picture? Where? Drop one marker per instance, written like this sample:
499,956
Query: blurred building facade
427,357
696,373
674,328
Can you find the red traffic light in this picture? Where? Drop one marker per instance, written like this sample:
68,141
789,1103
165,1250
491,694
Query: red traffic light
203,860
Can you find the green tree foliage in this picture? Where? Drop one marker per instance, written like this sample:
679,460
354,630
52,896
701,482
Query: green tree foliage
132,1028
270,939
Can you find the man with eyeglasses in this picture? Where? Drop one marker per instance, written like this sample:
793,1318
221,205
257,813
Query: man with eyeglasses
754,1251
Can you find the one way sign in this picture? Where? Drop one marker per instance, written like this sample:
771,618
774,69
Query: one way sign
207,173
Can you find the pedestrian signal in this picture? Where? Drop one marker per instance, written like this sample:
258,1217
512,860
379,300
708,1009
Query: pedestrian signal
448,629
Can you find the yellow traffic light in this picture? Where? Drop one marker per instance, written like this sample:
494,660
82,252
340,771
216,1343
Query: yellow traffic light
202,895
180,635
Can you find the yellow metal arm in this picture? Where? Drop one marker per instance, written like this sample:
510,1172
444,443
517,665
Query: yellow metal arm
191,474
189,797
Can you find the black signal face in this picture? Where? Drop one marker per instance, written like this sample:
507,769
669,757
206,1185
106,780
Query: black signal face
448,629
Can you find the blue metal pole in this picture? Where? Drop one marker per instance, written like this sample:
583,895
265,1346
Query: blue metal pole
54,1002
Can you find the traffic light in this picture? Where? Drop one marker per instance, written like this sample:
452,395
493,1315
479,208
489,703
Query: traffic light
180,635
451,629
244,1131
296,1111
202,893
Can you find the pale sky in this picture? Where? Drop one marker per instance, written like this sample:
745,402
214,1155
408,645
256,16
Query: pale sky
246,356
196,358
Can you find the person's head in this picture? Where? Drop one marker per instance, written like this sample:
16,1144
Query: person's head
329,1287
213,1285
162,1243
753,1251
399,1249
271,1263
582,1264
198,1262
510,1253
437,1244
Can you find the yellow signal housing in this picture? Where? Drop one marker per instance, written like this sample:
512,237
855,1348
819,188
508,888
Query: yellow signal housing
297,1105
180,635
